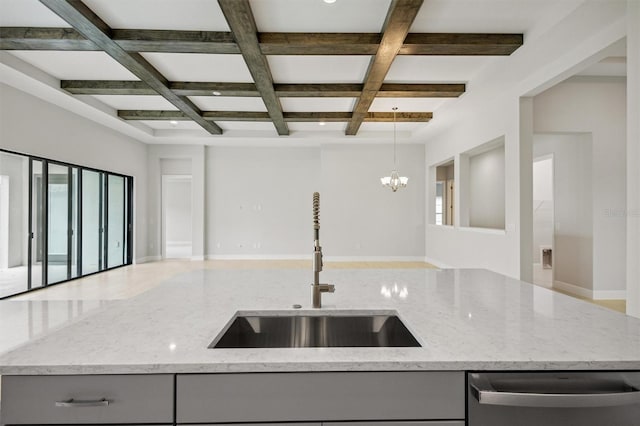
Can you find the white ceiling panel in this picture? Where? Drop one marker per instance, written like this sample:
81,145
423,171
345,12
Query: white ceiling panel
166,125
136,102
488,16
317,127
76,65
317,16
436,69
317,104
318,69
200,15
228,103
28,13
200,67
408,104
246,125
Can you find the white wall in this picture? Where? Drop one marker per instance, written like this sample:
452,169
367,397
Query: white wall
259,201
4,219
486,189
361,218
596,106
573,206
32,126
495,105
633,158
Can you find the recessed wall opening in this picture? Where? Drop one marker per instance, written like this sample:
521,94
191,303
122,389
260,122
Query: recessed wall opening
486,185
176,217
444,194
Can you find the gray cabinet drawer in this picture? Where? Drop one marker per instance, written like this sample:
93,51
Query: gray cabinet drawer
132,399
290,397
424,423
264,424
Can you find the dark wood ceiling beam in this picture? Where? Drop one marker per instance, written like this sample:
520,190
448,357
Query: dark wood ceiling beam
401,117
182,88
264,116
334,90
460,44
216,42
132,114
221,89
395,29
36,38
243,26
106,87
319,43
176,41
440,90
87,23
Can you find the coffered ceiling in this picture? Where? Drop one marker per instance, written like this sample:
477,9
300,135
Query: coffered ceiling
266,67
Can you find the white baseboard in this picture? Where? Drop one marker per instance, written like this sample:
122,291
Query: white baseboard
610,294
257,257
147,259
573,289
309,257
591,294
436,263
374,258
197,258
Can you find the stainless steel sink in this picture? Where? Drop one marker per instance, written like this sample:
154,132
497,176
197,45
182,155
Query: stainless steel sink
313,331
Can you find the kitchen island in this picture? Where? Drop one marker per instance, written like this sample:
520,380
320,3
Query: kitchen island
465,320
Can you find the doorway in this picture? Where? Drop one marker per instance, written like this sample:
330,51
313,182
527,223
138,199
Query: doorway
177,236
543,221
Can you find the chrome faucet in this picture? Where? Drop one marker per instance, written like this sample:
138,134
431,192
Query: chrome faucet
318,288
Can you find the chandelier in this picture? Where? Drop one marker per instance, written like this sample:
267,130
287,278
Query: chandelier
394,181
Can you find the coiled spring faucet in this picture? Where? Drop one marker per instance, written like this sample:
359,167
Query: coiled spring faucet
318,288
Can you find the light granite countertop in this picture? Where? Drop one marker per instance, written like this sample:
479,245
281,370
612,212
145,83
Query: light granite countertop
464,319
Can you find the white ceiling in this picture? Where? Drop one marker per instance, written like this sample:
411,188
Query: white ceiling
496,16
200,67
76,65
482,16
197,15
349,16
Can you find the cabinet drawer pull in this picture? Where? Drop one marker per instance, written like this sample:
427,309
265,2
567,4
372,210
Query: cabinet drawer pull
72,403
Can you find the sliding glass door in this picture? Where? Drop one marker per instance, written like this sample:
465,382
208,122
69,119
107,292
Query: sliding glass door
116,214
14,202
58,226
37,209
59,221
92,220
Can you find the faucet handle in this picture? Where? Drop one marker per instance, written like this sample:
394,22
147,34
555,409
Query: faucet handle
327,288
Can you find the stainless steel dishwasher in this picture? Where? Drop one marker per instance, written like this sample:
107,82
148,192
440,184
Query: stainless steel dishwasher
554,399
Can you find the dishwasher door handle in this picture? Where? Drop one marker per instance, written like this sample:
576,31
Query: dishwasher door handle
487,395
